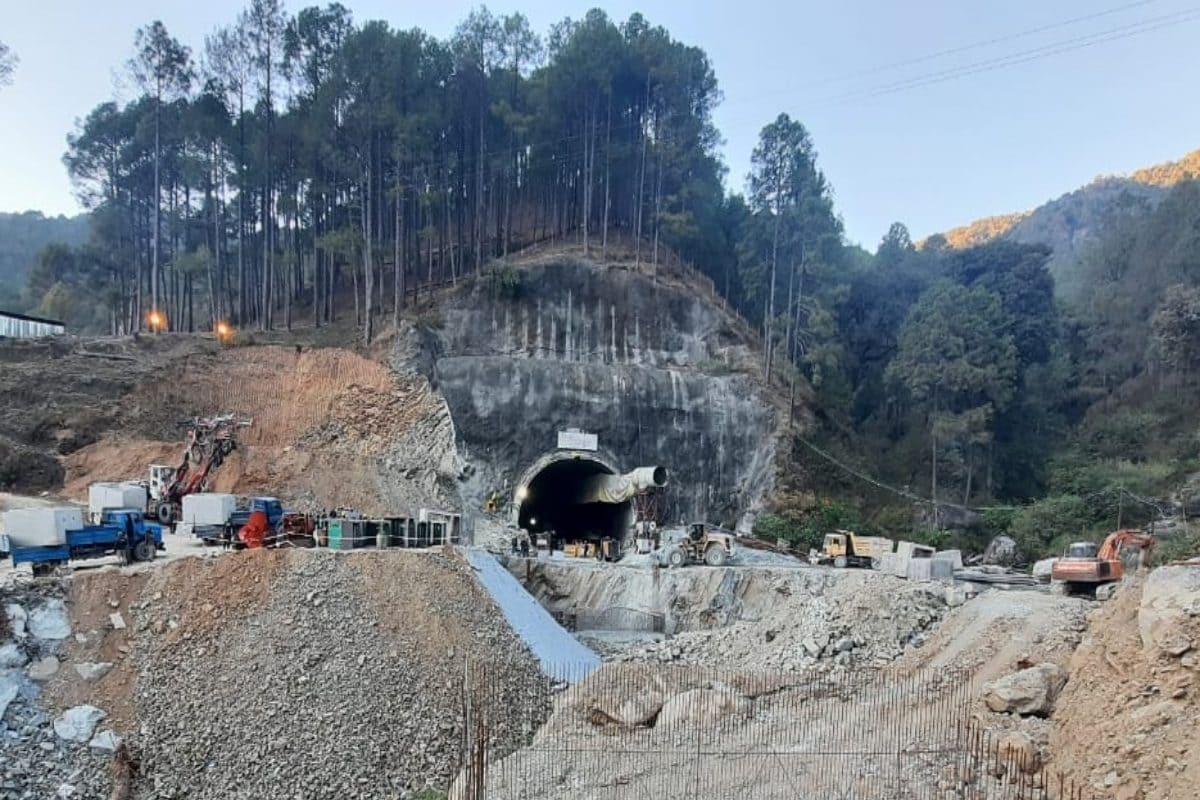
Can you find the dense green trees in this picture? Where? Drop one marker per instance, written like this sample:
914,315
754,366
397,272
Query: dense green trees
439,155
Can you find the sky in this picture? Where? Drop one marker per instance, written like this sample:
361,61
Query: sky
928,112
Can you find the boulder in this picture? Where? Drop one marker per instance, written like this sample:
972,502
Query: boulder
955,595
1170,599
49,621
105,741
9,687
16,619
11,655
1043,567
702,706
1002,551
43,669
1018,753
1028,692
630,711
93,671
77,724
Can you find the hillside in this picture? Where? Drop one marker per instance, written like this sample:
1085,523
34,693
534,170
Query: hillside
1069,223
22,236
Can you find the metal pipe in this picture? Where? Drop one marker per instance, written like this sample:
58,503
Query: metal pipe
622,488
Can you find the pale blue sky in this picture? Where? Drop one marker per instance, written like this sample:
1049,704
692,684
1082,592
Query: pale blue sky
933,156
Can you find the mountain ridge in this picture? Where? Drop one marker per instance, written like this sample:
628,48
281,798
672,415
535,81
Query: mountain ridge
1070,222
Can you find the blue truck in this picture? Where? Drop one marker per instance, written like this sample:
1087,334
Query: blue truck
123,532
226,534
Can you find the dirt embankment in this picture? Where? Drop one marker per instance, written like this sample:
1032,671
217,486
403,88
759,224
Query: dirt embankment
331,428
1126,724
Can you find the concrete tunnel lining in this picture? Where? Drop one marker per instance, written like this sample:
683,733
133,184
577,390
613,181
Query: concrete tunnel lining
546,499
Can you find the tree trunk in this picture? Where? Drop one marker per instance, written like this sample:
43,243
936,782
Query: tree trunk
769,348
607,176
368,270
397,269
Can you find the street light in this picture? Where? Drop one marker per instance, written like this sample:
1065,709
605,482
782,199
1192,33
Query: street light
156,320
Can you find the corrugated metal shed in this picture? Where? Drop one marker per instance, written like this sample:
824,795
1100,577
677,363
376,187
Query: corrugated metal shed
22,326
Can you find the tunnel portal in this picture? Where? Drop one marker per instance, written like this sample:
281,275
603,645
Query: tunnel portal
549,499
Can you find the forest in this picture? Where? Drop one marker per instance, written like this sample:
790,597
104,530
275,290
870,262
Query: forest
305,168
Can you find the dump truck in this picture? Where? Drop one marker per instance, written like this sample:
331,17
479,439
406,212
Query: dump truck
702,543
848,549
49,540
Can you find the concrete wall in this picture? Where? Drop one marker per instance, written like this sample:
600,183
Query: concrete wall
654,371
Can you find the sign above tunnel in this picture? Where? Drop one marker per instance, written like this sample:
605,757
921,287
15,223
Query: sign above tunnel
575,439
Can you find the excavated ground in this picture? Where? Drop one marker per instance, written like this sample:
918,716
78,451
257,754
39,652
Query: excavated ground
331,427
279,674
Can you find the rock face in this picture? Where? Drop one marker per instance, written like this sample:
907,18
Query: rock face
653,369
1168,616
1028,692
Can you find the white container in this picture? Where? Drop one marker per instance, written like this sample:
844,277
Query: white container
208,508
41,527
103,496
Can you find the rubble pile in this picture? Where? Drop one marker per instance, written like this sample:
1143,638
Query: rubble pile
859,619
41,754
346,681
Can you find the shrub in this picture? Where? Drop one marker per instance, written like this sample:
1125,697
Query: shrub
430,321
805,528
510,282
1041,528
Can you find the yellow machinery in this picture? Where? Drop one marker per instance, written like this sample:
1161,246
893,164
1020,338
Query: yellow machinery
848,549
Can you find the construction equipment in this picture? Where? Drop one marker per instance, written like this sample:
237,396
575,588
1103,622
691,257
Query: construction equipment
124,532
702,543
1085,568
848,549
209,441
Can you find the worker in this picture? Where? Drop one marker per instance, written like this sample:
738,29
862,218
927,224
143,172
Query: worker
492,503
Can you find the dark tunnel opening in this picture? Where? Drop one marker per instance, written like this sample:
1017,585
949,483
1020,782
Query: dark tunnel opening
550,503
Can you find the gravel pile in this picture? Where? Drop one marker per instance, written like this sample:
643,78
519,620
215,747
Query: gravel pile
332,675
852,619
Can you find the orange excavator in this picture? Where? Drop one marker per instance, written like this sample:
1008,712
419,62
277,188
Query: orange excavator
1085,568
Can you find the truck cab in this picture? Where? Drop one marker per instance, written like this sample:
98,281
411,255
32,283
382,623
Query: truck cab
848,549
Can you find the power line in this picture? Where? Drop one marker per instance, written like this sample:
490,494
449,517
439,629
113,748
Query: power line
1022,57
982,43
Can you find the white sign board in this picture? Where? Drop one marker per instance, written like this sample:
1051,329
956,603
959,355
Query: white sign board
578,440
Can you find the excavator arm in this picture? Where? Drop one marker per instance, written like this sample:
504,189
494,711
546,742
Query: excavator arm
1119,540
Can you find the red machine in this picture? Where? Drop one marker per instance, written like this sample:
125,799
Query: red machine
254,533
209,441
1085,567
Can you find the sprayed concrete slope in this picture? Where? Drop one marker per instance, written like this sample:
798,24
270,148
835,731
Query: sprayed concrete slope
558,652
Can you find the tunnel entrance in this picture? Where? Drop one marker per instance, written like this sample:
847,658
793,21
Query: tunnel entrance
550,501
